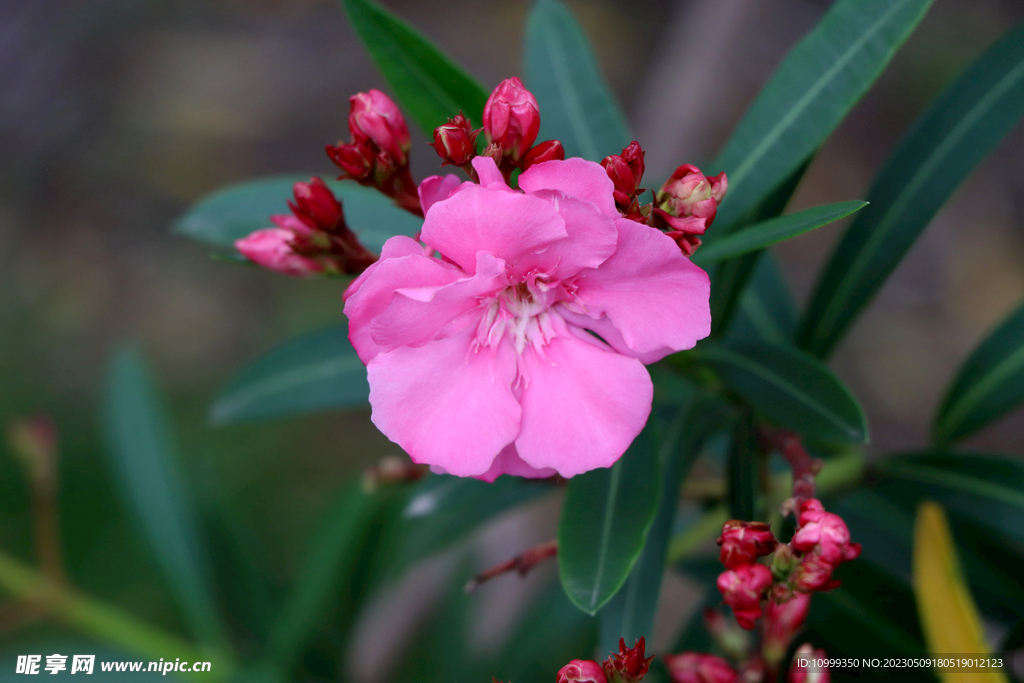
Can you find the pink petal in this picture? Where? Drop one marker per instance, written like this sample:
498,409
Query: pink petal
577,178
271,248
372,296
582,406
509,462
603,327
437,188
417,315
652,293
591,239
446,404
506,224
394,247
488,173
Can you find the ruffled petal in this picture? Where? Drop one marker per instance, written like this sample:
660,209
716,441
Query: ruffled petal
582,406
394,247
608,333
436,188
416,315
590,239
488,173
653,294
506,224
509,462
372,296
575,177
445,404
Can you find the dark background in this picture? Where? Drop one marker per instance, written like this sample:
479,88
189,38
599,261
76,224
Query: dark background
116,115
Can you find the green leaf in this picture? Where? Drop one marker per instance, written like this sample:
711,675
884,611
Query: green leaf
730,279
575,103
146,467
996,477
742,468
605,518
443,509
630,614
237,210
773,231
947,142
316,371
789,387
430,87
766,311
817,83
990,383
330,565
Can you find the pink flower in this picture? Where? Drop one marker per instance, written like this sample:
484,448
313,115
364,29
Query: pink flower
512,118
825,533
744,542
805,667
482,362
782,621
581,671
694,667
742,589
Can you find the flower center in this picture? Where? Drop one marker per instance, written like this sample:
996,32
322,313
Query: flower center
522,311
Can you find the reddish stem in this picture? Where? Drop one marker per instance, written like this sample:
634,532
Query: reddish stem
791,447
521,563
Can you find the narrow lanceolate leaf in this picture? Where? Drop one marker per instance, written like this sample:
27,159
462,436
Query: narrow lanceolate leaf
330,564
817,83
429,86
773,231
949,617
630,614
947,142
789,387
237,210
990,383
743,468
146,467
575,104
766,310
317,371
605,518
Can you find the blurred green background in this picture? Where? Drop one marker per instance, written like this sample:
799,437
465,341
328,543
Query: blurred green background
116,115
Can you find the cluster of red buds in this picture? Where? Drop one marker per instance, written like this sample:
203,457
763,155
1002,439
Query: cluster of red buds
628,665
511,121
683,208
378,154
313,238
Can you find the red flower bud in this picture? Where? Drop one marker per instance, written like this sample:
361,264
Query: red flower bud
512,118
687,204
824,533
272,249
549,150
455,141
626,171
581,671
742,589
744,542
782,621
694,667
628,665
814,573
805,669
356,160
316,206
374,117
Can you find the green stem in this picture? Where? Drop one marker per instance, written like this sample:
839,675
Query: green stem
106,623
837,473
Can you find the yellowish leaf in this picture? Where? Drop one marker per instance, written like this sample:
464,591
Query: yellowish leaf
949,617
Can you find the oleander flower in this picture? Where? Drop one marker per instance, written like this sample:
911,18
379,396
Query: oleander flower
519,347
